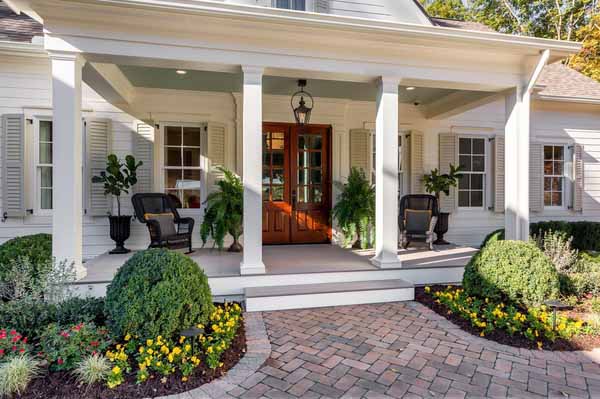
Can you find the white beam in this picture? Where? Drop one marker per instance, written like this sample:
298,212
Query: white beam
252,170
109,81
67,244
386,174
458,103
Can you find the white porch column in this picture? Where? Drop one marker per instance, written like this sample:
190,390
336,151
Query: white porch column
386,174
67,242
516,147
252,170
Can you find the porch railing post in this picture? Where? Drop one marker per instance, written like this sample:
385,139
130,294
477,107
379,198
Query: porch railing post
67,198
252,170
516,147
386,174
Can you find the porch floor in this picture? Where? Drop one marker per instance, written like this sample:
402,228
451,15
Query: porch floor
294,259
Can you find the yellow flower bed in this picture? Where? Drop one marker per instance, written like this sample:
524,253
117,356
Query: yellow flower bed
536,324
162,356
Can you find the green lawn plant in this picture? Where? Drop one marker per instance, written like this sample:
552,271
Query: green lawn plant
16,374
93,369
354,211
224,212
437,183
119,177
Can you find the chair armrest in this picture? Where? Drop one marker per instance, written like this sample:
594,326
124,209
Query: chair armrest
432,224
189,222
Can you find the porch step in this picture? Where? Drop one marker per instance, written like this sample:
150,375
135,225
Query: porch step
327,294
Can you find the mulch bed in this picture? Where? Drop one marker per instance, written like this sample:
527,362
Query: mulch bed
63,384
581,342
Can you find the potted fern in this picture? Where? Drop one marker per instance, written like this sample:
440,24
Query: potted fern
354,211
118,178
437,183
224,212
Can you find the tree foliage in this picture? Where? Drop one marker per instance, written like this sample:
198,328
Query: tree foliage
118,177
588,59
450,9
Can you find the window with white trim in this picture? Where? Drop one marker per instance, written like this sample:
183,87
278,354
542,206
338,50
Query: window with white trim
182,164
472,159
44,139
554,175
299,5
400,168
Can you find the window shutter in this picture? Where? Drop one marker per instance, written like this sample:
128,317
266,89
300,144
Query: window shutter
536,177
216,150
416,163
448,154
13,164
97,138
359,149
144,151
499,174
578,173
322,6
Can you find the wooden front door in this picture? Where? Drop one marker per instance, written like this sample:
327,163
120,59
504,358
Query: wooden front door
296,183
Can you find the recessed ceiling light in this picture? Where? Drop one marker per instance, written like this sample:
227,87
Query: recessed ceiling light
181,72
410,88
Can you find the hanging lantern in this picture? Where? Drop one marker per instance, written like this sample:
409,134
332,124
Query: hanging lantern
300,107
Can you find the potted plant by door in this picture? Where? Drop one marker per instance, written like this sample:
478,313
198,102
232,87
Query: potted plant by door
118,178
354,211
437,183
224,212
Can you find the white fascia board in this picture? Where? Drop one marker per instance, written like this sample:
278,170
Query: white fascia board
458,103
22,49
565,99
355,24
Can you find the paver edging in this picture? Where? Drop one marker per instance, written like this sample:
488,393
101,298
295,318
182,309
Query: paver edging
258,350
451,328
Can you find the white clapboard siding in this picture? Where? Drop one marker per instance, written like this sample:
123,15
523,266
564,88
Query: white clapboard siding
143,150
97,138
578,179
536,177
13,165
417,170
359,149
499,174
448,143
216,149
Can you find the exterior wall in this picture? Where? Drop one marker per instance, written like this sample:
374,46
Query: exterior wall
25,87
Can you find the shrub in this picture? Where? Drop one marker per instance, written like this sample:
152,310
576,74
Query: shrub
511,270
65,348
37,248
74,310
557,247
16,374
157,292
586,235
580,283
93,369
493,236
11,344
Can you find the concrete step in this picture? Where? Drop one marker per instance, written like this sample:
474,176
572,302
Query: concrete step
327,294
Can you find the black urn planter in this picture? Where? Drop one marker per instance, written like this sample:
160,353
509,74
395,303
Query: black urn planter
120,229
441,228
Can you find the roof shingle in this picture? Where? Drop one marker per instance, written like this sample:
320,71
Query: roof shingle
17,28
559,80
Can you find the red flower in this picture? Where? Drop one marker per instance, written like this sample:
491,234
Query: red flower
94,353
14,348
64,334
94,343
60,361
21,350
25,340
13,332
1,352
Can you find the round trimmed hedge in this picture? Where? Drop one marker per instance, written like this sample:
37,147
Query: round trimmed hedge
157,292
36,248
511,270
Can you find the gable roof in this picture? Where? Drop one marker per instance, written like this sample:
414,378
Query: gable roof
17,28
559,80
466,25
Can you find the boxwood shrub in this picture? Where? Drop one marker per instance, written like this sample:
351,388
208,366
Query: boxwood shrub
586,235
37,248
511,270
157,292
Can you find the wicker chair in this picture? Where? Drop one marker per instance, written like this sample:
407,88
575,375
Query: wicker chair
417,218
166,227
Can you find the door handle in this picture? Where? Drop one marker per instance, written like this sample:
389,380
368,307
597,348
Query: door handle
294,199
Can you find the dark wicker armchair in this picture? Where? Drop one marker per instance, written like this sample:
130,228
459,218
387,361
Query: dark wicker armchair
166,227
417,218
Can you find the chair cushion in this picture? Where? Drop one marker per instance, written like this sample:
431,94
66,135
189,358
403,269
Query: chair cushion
165,221
417,221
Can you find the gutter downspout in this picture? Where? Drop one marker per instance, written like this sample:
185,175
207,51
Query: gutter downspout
543,61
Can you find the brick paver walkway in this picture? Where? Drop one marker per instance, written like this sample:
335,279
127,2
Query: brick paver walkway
405,350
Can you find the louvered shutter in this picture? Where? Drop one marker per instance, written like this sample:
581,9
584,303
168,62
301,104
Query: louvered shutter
216,150
536,177
322,6
359,149
499,174
448,143
97,138
578,182
144,151
13,164
416,148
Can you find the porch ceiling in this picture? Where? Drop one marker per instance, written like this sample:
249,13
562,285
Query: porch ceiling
167,78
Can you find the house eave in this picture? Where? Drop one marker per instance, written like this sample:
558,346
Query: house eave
22,49
567,99
401,30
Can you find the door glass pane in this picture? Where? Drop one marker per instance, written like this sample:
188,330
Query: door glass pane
191,136
277,158
266,176
317,194
265,192
277,142
266,141
315,159
266,158
303,159
316,143
303,194
303,142
173,135
278,176
316,176
277,192
303,176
